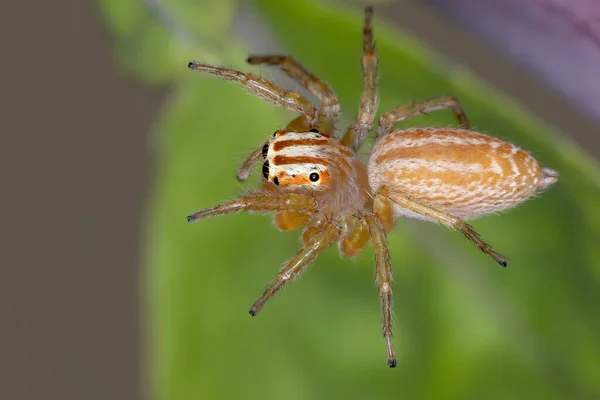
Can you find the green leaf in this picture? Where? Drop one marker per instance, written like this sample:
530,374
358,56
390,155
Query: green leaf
154,38
464,327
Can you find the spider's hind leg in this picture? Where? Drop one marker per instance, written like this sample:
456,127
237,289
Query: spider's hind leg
443,217
390,118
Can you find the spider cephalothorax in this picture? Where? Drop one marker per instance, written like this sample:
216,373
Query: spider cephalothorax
314,180
299,159
318,164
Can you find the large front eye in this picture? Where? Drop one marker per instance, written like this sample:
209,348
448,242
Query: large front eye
265,150
314,177
266,170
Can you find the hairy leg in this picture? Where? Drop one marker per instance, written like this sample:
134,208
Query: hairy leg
355,235
360,128
314,226
442,217
382,206
261,202
316,244
383,273
389,119
265,89
290,220
246,167
298,124
329,111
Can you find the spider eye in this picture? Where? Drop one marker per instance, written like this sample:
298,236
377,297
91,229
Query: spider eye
314,177
265,150
266,170
275,134
276,181
314,130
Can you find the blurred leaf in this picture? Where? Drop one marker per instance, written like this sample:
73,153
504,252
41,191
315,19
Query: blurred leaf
154,38
557,41
465,328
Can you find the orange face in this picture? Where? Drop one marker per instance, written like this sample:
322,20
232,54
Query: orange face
318,179
298,160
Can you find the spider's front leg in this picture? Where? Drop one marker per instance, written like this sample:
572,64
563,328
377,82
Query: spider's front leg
315,245
329,111
261,202
263,88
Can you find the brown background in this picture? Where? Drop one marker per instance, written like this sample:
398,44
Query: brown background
76,171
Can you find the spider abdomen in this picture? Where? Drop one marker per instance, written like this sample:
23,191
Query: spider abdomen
456,170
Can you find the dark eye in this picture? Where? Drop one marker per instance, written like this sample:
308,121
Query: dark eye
276,181
265,150
266,170
275,134
314,130
314,177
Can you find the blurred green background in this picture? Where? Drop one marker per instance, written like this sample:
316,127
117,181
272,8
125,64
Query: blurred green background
464,328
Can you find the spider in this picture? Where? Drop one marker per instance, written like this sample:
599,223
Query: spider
313,179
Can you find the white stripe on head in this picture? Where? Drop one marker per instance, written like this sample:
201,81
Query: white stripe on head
296,169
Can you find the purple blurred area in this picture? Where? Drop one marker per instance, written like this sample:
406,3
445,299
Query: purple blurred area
557,40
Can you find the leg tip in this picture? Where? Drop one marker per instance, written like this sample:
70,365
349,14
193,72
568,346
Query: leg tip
190,218
253,311
241,178
392,363
503,263
191,65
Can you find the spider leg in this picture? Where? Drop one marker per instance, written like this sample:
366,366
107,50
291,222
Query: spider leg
389,119
299,124
265,89
358,131
316,244
246,167
260,202
383,207
443,217
291,220
383,274
355,236
329,111
314,226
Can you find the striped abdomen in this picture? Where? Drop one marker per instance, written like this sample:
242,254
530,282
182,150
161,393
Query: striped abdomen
459,171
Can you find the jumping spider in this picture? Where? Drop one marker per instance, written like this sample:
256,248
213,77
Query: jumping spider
314,180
